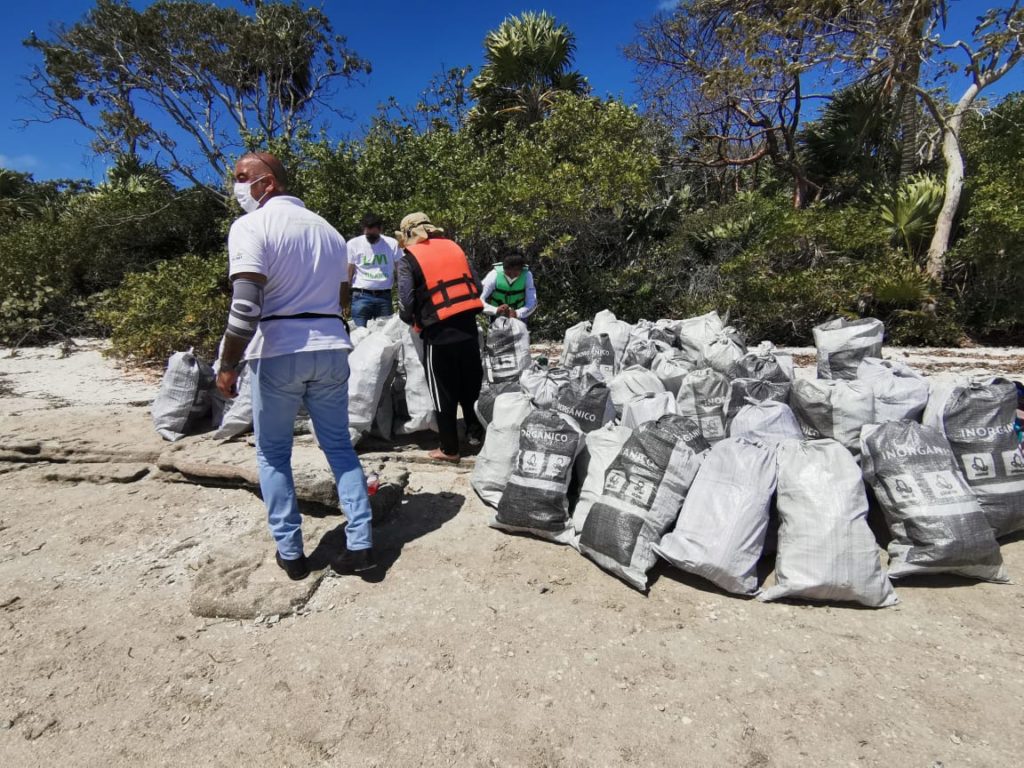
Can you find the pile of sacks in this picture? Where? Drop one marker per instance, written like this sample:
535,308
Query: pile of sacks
388,392
674,440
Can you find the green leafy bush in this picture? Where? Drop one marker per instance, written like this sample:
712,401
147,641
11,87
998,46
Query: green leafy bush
181,303
988,258
82,242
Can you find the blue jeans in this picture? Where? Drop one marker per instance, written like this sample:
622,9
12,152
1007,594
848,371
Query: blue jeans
366,307
320,380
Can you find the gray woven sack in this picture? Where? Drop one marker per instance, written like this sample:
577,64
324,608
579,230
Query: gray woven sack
842,344
644,488
535,499
836,409
742,391
721,529
184,396
587,401
506,349
826,549
935,519
977,418
704,397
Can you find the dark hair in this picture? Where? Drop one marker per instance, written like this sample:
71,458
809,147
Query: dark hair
371,220
514,261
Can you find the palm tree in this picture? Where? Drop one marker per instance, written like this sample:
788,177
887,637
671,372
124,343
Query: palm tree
851,144
528,61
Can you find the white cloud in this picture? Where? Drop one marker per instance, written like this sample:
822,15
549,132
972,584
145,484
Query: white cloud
18,162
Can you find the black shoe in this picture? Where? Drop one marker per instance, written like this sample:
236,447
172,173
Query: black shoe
297,569
353,561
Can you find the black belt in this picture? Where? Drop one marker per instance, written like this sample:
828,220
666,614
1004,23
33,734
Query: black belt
304,316
386,292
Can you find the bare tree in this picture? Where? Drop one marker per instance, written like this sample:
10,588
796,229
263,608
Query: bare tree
741,68
188,83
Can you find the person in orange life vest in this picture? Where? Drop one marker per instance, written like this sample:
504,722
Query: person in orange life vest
439,294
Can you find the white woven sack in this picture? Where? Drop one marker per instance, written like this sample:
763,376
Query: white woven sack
826,549
542,384
618,331
648,407
937,523
571,339
489,393
357,335
842,344
743,391
699,330
371,365
632,382
494,462
721,529
644,488
602,446
535,499
238,418
725,349
900,391
506,349
417,394
670,367
767,421
833,408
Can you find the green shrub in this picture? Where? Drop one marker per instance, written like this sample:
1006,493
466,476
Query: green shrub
179,304
986,261
55,258
794,269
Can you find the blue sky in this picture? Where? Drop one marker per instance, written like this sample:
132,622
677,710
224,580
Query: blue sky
407,42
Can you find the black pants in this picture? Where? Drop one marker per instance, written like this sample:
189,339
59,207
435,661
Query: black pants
454,376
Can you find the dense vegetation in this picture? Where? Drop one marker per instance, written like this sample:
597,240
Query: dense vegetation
615,207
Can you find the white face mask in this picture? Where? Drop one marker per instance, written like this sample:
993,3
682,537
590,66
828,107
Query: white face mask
243,194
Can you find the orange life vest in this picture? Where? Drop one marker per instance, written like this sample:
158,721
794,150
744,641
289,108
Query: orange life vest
448,287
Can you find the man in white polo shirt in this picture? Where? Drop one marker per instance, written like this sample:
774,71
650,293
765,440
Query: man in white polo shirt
371,258
287,266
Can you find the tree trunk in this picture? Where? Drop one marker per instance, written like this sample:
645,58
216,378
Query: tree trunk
954,184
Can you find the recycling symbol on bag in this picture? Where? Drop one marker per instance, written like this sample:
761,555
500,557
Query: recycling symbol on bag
903,489
979,466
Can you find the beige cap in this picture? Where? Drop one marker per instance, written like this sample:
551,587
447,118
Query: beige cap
415,228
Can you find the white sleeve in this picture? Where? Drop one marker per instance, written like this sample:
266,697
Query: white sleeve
246,250
346,258
531,298
352,251
489,284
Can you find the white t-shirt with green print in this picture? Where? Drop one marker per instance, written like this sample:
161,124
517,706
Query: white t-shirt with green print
375,264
